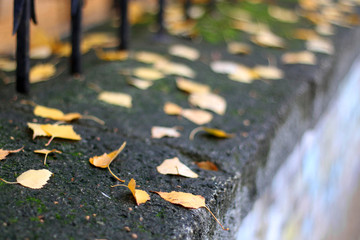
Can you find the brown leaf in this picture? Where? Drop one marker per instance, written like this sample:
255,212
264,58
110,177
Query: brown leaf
187,200
116,98
160,132
4,153
191,86
209,101
207,165
212,131
175,167
46,152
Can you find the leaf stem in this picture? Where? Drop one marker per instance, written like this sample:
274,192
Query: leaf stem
195,131
7,181
226,229
114,174
95,119
48,143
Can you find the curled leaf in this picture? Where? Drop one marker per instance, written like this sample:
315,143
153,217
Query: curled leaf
116,98
160,132
112,156
175,167
212,131
104,160
4,153
187,200
46,152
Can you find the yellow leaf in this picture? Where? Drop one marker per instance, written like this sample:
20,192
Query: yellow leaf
112,55
104,160
190,86
304,34
283,14
209,101
60,131
160,132
197,116
168,67
46,152
139,83
4,153
238,48
175,167
148,57
184,52
268,39
64,49
34,179
140,196
116,98
40,52
172,109
212,131
268,72
320,45
42,72
304,57
207,165
187,200
7,65
55,114
243,74
37,130
98,39
224,67
148,73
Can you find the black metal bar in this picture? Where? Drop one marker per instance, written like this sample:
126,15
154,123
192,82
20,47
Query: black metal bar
22,15
76,17
187,5
160,17
124,25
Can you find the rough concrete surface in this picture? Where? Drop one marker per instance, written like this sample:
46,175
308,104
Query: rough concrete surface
78,202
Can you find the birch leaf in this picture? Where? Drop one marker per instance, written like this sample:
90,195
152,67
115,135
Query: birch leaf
207,165
184,52
212,131
175,167
303,57
4,153
148,73
41,72
160,132
116,98
104,160
139,83
268,72
187,200
37,130
191,86
209,101
46,152
34,179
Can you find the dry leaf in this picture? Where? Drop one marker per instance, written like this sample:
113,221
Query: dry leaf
243,74
34,179
4,153
268,72
238,48
207,165
184,52
303,57
139,83
148,73
175,167
98,39
172,109
104,160
64,49
168,67
55,114
148,57
212,131
41,72
224,67
197,116
209,101
37,130
7,65
187,200
116,98
320,45
46,152
304,34
60,131
283,14
140,196
268,39
160,132
112,55
40,52
191,86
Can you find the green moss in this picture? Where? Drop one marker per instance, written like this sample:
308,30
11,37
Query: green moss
160,214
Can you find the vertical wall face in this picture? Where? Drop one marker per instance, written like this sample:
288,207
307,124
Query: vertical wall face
53,17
